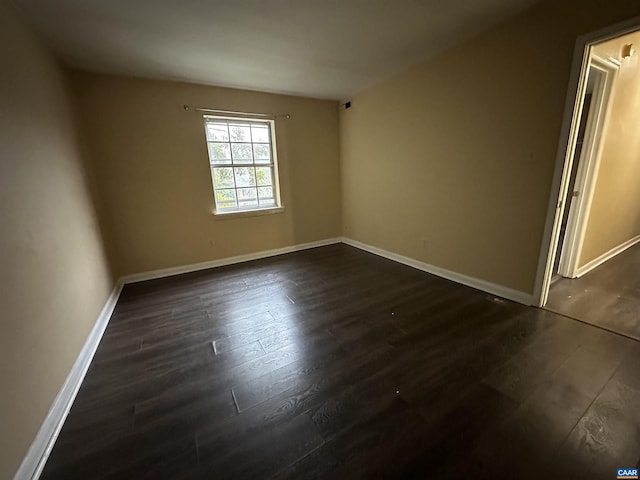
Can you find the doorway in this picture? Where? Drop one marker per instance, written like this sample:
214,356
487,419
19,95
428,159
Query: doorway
585,110
583,164
575,250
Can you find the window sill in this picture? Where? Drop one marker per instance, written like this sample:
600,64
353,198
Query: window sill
247,213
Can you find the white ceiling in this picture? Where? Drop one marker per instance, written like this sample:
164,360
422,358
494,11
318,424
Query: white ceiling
317,48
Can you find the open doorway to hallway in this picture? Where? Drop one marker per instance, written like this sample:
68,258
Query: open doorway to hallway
593,270
586,114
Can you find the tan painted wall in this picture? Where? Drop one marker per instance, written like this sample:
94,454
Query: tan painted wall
451,161
615,210
154,174
54,278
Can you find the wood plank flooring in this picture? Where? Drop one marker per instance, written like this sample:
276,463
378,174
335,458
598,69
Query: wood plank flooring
608,296
334,363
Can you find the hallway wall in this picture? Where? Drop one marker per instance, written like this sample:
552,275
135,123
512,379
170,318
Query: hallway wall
615,210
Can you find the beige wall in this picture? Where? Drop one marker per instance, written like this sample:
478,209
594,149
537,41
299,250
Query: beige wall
451,161
54,278
155,181
614,217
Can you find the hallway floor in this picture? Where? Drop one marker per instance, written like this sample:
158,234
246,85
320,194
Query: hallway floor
607,297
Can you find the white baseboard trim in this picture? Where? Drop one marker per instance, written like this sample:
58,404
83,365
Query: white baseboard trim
478,284
40,449
194,267
33,463
596,262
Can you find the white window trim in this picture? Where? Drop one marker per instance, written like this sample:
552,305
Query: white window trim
250,211
247,213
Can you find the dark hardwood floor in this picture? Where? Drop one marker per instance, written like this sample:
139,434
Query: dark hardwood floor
334,363
608,296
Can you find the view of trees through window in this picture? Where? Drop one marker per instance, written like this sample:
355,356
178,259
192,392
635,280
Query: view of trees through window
242,163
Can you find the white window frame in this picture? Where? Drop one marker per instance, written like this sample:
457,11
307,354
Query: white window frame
238,210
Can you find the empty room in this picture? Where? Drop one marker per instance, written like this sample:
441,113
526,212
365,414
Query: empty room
310,239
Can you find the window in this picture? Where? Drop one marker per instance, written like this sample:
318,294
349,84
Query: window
243,164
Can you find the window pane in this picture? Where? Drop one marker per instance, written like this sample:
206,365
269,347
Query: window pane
262,152
266,196
223,178
245,177
219,153
242,163
247,197
260,134
239,132
226,198
242,152
263,175
217,132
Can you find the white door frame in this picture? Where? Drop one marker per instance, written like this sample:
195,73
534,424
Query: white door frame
588,163
568,133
